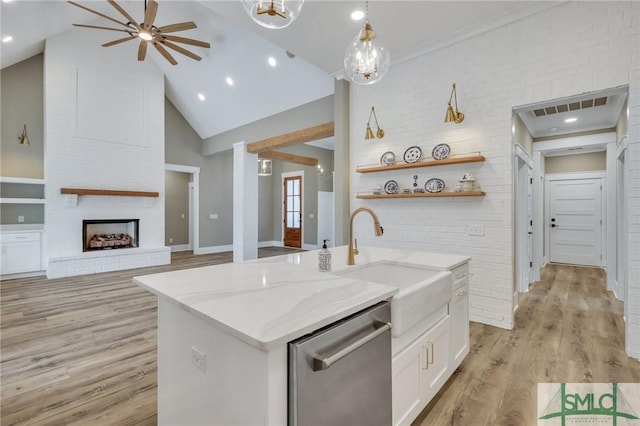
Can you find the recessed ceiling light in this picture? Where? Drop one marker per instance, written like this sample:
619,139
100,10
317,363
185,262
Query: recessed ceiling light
571,120
553,129
201,96
272,61
357,15
229,81
7,39
7,1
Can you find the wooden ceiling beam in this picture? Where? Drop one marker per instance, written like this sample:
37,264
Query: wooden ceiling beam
309,134
291,158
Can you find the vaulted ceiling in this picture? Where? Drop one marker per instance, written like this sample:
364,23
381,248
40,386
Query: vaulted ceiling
308,54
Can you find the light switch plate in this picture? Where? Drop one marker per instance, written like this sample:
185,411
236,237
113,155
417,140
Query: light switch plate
475,230
199,359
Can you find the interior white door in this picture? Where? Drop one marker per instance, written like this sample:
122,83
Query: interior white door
524,225
575,218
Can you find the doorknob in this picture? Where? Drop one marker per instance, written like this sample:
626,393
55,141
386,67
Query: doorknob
530,233
553,225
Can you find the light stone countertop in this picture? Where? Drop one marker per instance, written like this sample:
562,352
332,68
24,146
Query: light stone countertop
22,227
269,302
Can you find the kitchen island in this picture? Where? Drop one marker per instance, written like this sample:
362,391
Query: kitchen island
223,330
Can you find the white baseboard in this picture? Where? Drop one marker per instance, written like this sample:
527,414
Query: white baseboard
180,247
213,249
262,244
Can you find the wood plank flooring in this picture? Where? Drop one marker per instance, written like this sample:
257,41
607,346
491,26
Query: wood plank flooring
568,329
82,350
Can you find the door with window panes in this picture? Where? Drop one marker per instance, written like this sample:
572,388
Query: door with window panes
293,211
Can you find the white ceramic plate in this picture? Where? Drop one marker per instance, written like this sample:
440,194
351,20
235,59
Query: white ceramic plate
441,151
391,187
388,159
413,154
434,185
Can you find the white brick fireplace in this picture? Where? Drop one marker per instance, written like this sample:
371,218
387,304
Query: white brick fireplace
104,129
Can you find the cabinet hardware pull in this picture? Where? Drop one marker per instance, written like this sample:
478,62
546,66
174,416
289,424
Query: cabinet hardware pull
430,362
425,364
322,363
460,275
462,293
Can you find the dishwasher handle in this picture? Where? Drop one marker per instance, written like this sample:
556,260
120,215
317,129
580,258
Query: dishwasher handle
322,363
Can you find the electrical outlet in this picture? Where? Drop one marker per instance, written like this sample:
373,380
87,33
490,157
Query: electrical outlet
475,230
170,240
198,358
182,216
20,219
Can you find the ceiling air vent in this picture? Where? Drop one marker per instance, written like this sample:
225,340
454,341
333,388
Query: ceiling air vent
573,106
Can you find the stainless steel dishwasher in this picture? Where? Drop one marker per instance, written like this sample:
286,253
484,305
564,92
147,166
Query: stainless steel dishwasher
341,374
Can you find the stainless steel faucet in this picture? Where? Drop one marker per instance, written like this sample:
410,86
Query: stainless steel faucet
376,225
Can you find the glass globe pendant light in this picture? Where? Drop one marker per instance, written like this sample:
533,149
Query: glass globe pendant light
275,14
366,60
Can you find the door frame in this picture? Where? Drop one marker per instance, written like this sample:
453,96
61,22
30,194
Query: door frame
284,175
621,287
553,177
524,273
608,140
194,203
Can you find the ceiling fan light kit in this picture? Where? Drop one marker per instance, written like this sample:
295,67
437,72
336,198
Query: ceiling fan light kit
366,60
148,33
273,14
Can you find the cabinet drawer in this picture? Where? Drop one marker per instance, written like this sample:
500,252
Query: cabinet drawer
460,275
20,237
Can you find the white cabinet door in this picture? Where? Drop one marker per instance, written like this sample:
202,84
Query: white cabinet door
20,257
406,371
419,372
20,252
437,348
459,311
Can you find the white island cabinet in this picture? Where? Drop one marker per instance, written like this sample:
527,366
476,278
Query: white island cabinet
223,330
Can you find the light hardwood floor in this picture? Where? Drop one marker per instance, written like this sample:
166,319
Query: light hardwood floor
82,350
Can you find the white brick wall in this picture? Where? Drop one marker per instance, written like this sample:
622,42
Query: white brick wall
123,155
570,49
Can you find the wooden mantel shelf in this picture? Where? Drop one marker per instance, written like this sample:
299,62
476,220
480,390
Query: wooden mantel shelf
116,192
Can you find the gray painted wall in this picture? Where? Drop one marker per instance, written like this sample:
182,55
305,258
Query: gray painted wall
576,163
22,103
176,215
307,115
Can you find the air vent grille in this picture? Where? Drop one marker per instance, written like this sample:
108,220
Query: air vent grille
573,106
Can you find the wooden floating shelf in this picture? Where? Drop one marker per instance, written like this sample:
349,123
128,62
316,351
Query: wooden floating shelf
424,163
116,192
422,195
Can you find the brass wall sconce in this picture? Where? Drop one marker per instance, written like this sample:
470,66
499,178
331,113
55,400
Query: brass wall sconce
379,133
452,116
23,138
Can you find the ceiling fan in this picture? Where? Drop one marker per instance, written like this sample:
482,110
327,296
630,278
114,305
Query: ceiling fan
158,37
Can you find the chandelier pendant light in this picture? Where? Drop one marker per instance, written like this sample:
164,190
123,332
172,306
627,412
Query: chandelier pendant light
366,60
453,116
273,14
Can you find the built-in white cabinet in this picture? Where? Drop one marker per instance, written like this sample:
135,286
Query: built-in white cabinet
427,355
459,312
419,371
21,252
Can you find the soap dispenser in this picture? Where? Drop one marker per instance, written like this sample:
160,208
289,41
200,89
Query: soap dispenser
324,258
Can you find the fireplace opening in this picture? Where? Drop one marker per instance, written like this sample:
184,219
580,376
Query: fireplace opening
109,234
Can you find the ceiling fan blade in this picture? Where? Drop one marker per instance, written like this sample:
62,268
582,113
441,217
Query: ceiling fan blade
182,26
181,50
142,50
186,41
124,13
103,28
150,14
120,40
98,13
164,53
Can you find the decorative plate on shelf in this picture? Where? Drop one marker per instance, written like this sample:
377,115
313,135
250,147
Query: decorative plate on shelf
413,154
391,187
434,185
441,151
388,159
